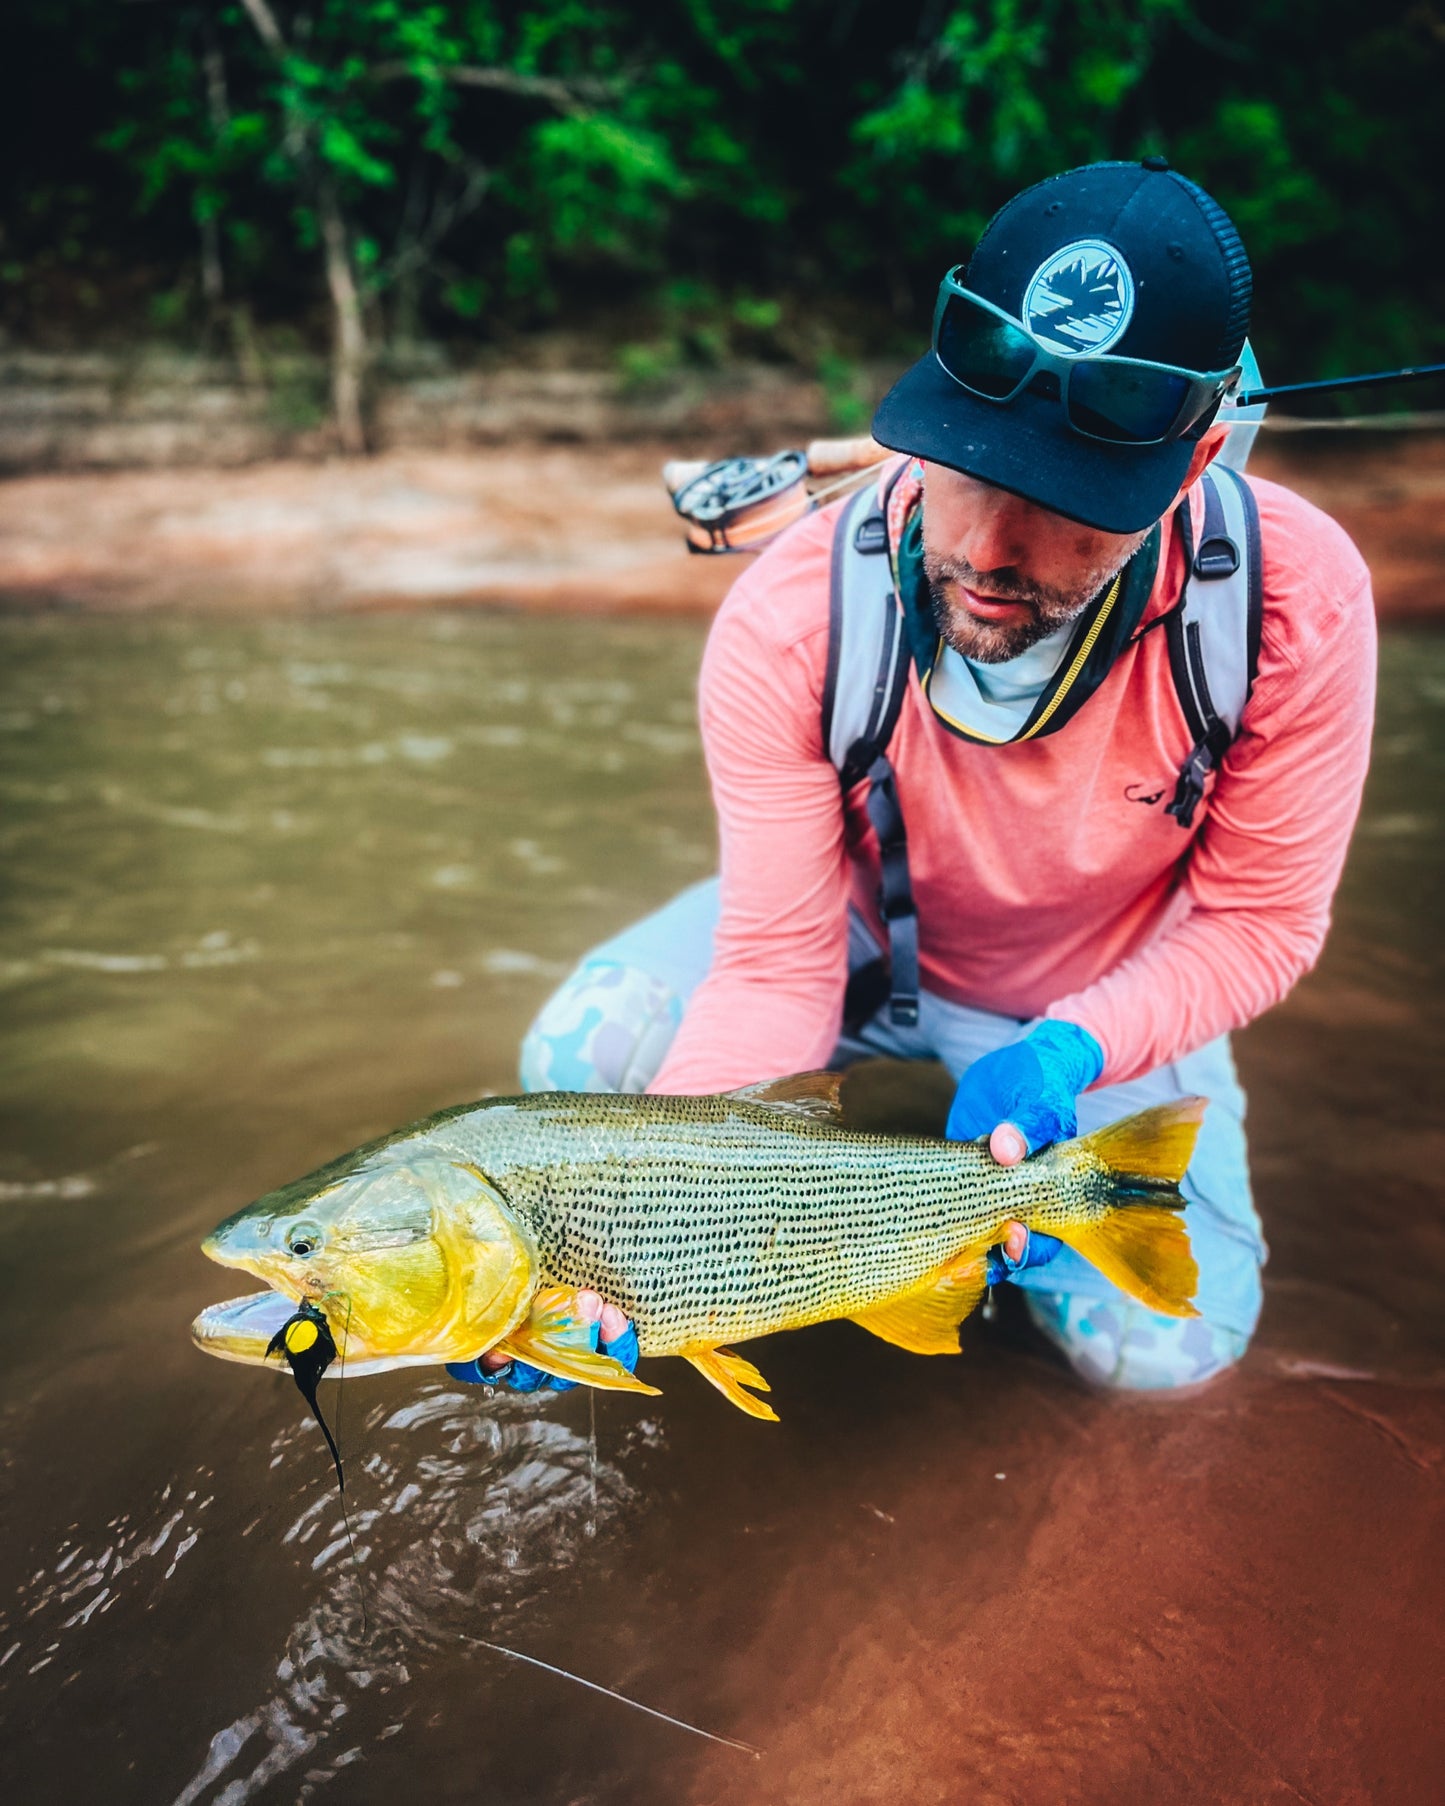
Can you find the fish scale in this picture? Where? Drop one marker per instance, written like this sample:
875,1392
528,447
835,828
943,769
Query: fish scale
711,1219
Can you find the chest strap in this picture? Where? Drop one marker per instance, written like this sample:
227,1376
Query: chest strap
1213,636
862,695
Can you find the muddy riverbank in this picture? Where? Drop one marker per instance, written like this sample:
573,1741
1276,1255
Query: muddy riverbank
581,527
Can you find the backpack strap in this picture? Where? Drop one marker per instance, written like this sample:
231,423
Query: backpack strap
1214,633
867,652
867,678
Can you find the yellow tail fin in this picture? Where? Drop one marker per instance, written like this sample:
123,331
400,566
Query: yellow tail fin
1142,1245
1152,1148
1145,1251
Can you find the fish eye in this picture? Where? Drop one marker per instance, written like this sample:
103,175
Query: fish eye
303,1240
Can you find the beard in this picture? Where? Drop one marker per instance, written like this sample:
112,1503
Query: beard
1049,609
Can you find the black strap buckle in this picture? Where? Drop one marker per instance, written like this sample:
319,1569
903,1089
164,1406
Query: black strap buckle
1189,792
1218,557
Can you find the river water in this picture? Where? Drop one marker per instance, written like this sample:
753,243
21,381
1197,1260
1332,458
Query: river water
272,887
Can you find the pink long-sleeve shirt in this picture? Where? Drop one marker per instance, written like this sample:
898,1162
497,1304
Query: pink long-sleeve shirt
1048,879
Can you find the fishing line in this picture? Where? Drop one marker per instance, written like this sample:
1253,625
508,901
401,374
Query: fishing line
590,1527
733,1743
850,479
345,1514
306,1342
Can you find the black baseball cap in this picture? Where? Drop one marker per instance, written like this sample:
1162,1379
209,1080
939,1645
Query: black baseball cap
1181,290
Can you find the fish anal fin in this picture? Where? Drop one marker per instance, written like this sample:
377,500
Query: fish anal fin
558,1339
1144,1249
926,1319
730,1373
811,1094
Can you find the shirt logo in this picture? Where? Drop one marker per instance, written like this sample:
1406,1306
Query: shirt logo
1081,300
1149,792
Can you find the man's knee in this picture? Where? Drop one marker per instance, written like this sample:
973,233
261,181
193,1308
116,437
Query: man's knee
1117,1343
608,1028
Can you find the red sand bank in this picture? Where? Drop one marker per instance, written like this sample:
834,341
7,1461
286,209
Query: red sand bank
544,526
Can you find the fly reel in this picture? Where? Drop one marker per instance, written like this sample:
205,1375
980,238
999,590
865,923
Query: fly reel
739,504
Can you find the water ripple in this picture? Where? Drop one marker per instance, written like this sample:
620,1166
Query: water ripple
464,1512
470,1511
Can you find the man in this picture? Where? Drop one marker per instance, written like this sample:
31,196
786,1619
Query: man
1089,929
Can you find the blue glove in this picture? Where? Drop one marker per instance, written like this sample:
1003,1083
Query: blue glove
521,1376
1032,1084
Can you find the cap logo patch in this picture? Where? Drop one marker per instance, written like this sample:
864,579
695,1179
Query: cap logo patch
1081,300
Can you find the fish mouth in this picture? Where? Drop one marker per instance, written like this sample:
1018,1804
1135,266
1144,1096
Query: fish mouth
290,1287
241,1329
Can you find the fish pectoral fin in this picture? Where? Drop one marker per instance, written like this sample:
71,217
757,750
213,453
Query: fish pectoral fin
925,1320
558,1339
585,1366
811,1094
1144,1249
730,1373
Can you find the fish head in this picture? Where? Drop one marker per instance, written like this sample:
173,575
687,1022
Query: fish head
413,1256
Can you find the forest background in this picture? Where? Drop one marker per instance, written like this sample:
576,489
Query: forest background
682,184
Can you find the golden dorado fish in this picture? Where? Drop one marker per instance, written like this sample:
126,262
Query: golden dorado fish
709,1220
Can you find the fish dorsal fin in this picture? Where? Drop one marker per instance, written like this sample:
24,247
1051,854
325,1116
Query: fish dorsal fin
558,1339
810,1094
925,1319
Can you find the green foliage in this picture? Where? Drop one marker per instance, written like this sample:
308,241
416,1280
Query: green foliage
598,184
466,297
500,162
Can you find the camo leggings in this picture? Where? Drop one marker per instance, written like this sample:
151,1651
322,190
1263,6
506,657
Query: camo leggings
610,1024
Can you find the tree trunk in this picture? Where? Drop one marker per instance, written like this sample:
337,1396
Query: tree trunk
348,328
213,275
218,110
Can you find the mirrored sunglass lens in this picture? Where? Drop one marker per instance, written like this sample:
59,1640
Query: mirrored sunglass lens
981,351
1133,406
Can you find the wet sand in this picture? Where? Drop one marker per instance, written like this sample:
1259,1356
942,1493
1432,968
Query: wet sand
544,527
1232,1598
277,885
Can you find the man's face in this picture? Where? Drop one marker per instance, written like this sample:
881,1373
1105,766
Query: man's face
1004,572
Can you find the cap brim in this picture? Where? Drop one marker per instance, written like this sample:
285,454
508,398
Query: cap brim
1027,447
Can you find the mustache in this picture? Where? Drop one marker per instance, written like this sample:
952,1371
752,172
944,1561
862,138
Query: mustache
1007,583
1002,585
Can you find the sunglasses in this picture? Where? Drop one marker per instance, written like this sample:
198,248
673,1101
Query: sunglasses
1122,400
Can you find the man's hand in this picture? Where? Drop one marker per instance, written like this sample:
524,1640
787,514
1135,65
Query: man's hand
1023,1097
1021,1247
613,1334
